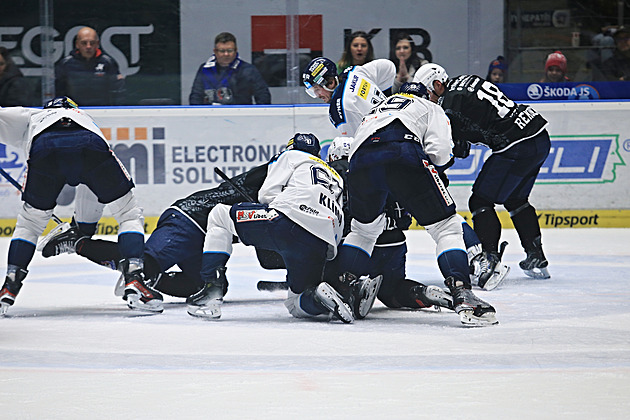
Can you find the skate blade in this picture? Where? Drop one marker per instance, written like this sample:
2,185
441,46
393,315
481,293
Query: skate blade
368,295
154,306
497,277
468,318
331,300
538,273
119,289
211,310
54,232
4,307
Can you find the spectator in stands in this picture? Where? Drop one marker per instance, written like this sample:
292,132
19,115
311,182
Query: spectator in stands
13,86
617,67
89,76
406,59
225,79
497,70
555,68
358,51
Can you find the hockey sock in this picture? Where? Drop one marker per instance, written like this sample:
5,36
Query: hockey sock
87,229
177,284
131,244
526,224
487,228
210,261
21,253
454,263
99,251
308,304
353,259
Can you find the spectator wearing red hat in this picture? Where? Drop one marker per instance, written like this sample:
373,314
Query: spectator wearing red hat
497,70
555,68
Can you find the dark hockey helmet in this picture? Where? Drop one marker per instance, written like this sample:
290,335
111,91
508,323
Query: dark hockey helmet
413,88
61,102
305,142
318,72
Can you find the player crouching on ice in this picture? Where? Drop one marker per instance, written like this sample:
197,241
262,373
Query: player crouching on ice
65,146
299,216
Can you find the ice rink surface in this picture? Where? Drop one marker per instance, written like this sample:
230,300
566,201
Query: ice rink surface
70,349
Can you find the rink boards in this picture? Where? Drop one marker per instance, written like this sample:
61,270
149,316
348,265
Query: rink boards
172,152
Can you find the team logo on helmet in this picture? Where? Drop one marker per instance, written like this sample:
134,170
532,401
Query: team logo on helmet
61,102
306,143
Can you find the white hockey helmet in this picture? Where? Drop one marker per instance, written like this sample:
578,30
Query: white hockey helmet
339,148
429,73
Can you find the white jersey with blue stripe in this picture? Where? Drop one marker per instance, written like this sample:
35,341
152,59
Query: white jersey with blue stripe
360,88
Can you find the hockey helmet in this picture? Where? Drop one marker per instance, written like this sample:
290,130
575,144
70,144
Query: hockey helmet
316,73
429,73
61,102
305,142
339,148
414,88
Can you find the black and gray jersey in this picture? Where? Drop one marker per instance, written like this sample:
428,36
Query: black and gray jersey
197,205
481,113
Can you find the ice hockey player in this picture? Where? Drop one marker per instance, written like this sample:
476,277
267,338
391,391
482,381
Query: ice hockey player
299,216
65,146
351,96
177,239
390,249
480,113
397,152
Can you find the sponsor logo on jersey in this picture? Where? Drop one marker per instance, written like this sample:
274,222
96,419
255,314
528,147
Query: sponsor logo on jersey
307,209
353,83
364,89
573,159
255,215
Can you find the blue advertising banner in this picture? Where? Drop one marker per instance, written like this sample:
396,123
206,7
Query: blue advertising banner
567,91
572,159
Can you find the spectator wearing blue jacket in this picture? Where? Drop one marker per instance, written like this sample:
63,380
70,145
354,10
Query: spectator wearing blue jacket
225,79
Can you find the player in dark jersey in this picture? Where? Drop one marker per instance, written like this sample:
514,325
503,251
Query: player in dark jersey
177,239
480,113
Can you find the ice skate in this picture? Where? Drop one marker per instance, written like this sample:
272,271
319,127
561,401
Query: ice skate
429,296
472,311
137,293
328,297
535,265
60,240
360,294
11,287
206,303
486,269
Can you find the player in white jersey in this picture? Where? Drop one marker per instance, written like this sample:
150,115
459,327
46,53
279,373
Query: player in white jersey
399,151
299,216
65,146
352,94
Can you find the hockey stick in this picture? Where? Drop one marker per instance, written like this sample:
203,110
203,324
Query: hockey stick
17,185
236,187
272,286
